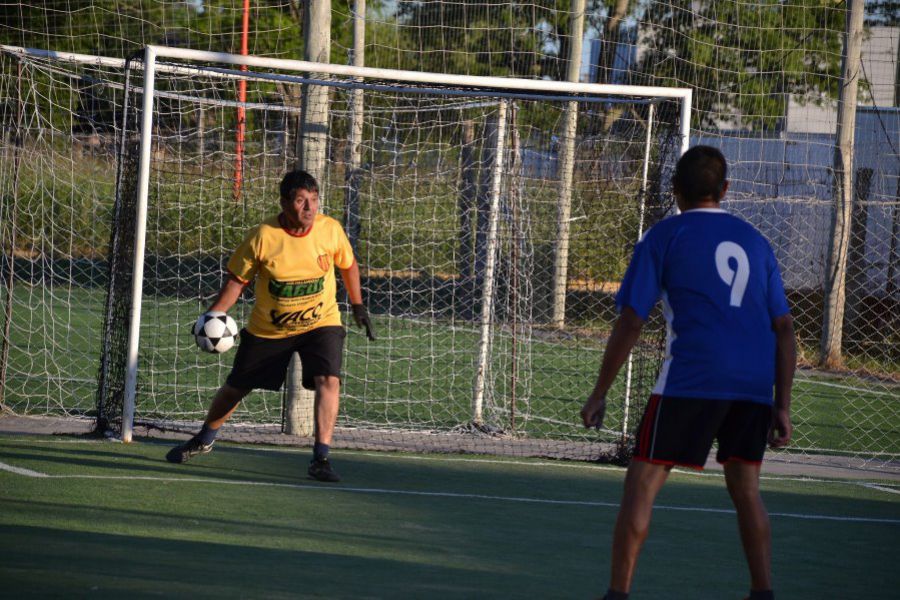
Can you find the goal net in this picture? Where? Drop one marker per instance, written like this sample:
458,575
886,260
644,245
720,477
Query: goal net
492,220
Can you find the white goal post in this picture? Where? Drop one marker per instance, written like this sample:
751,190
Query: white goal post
152,53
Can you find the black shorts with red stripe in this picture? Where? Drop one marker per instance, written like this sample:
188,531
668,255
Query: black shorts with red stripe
680,431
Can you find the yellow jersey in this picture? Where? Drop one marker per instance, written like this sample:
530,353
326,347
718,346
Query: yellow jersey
295,283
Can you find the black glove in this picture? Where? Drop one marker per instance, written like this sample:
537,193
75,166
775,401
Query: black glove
361,316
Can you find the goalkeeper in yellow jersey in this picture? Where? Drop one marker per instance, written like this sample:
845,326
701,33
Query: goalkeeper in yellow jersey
292,257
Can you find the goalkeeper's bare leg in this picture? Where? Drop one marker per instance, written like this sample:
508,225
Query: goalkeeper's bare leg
642,483
327,402
753,521
223,405
328,390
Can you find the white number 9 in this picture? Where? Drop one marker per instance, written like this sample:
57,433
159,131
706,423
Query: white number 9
737,280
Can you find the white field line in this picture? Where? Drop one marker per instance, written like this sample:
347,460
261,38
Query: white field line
37,440
457,495
20,471
844,387
882,486
598,467
557,465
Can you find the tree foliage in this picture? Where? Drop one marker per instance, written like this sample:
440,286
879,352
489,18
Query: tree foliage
474,37
121,27
883,12
741,59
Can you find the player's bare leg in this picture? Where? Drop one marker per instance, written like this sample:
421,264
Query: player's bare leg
753,520
224,404
642,483
328,390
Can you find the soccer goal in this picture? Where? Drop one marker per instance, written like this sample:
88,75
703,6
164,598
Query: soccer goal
492,219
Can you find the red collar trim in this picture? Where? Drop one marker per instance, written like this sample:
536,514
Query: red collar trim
282,221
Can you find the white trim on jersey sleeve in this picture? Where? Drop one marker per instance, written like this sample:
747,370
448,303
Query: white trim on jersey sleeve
660,386
644,235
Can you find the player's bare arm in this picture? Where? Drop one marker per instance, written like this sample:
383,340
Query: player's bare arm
785,364
624,336
350,276
229,294
354,292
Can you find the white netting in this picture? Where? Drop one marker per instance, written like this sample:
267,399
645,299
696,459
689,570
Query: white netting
424,199
56,195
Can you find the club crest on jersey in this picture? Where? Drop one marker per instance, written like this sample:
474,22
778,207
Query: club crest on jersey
324,262
296,289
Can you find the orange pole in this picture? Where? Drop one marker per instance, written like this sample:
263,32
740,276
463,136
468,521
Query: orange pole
241,111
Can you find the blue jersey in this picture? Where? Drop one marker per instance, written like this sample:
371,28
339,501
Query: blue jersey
721,289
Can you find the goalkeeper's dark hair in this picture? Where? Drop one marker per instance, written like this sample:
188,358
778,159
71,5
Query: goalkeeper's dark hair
297,180
701,173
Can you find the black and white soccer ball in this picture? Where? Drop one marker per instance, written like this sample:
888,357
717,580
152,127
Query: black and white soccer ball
215,332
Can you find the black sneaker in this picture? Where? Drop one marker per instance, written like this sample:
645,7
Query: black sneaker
321,469
184,452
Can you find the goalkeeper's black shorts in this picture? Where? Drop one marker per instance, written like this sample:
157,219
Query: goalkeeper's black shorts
261,363
680,431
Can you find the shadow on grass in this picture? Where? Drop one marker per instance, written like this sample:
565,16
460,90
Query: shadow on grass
188,518
99,459
53,562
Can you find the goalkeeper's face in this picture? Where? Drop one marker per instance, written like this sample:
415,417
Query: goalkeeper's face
300,211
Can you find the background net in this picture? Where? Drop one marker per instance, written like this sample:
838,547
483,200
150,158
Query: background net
422,199
57,189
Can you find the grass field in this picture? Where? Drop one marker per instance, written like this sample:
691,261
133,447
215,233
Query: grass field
100,519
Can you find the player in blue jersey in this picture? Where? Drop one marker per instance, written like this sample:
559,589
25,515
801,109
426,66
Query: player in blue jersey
730,343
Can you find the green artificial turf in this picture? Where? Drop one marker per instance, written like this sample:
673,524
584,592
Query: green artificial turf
111,520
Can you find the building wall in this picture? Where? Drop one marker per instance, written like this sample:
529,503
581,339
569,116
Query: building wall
878,57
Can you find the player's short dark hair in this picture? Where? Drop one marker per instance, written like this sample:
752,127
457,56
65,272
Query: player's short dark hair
297,180
701,172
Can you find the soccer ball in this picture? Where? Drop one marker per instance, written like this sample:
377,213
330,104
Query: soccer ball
215,332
